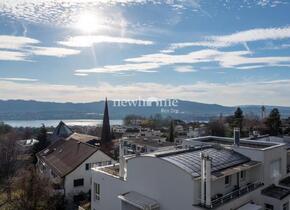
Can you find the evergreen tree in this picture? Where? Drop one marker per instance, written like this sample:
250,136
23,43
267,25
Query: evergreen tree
238,119
42,138
171,132
42,142
273,123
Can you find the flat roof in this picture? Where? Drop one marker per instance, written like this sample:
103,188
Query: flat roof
138,200
190,160
276,192
230,142
285,182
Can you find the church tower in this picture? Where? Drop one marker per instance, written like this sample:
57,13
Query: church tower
106,138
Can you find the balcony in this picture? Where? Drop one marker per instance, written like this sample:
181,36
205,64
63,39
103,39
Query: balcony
222,199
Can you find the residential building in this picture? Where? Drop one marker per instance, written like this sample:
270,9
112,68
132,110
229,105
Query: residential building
67,164
206,173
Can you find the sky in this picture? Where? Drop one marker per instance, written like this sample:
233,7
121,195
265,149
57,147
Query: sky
226,52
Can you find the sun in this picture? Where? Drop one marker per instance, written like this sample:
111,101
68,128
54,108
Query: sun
89,22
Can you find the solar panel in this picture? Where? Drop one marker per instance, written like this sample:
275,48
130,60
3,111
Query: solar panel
191,162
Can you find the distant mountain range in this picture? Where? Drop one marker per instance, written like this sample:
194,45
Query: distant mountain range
186,110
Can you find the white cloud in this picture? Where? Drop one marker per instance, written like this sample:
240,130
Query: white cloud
18,79
230,59
185,69
13,56
15,42
65,11
258,34
87,41
257,92
54,51
19,48
81,74
143,67
165,59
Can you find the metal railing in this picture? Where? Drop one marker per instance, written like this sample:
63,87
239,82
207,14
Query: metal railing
233,195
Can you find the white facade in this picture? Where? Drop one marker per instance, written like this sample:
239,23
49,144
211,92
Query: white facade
82,172
164,182
174,188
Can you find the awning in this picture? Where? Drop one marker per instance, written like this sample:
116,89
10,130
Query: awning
138,200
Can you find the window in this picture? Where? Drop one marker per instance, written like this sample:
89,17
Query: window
227,180
286,206
87,166
78,182
275,168
97,191
243,175
269,207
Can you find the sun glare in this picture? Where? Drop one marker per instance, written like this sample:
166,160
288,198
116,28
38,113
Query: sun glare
89,22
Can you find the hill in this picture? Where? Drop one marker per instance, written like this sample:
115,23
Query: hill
186,110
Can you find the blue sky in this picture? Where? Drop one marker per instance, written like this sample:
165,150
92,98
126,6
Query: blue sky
225,52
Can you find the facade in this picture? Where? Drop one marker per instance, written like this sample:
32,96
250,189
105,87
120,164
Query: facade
67,163
236,174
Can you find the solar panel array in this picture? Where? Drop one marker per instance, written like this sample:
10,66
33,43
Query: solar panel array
221,159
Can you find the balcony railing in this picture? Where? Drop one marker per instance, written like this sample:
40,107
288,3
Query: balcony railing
233,195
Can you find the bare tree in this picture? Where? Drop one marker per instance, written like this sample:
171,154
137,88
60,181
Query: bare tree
8,161
34,192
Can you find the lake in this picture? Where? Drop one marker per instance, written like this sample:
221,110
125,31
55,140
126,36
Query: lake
48,123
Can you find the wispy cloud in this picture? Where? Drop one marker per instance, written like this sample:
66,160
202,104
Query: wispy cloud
87,41
19,48
184,69
54,51
16,42
273,92
143,67
81,74
13,56
18,79
225,59
242,37
65,11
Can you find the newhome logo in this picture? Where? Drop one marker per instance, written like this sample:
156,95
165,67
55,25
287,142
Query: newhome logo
149,102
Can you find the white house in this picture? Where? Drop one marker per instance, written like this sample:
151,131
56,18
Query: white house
68,165
208,173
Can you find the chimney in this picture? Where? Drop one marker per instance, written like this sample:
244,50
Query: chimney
122,161
202,174
237,136
208,181
205,179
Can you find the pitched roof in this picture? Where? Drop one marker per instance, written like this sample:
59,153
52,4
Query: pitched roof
62,130
190,160
83,137
65,155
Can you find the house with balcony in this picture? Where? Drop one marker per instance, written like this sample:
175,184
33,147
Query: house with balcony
206,173
273,155
172,179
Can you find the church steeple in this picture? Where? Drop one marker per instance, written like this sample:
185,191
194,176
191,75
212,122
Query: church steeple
106,137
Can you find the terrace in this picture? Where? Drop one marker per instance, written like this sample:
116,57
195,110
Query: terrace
221,199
